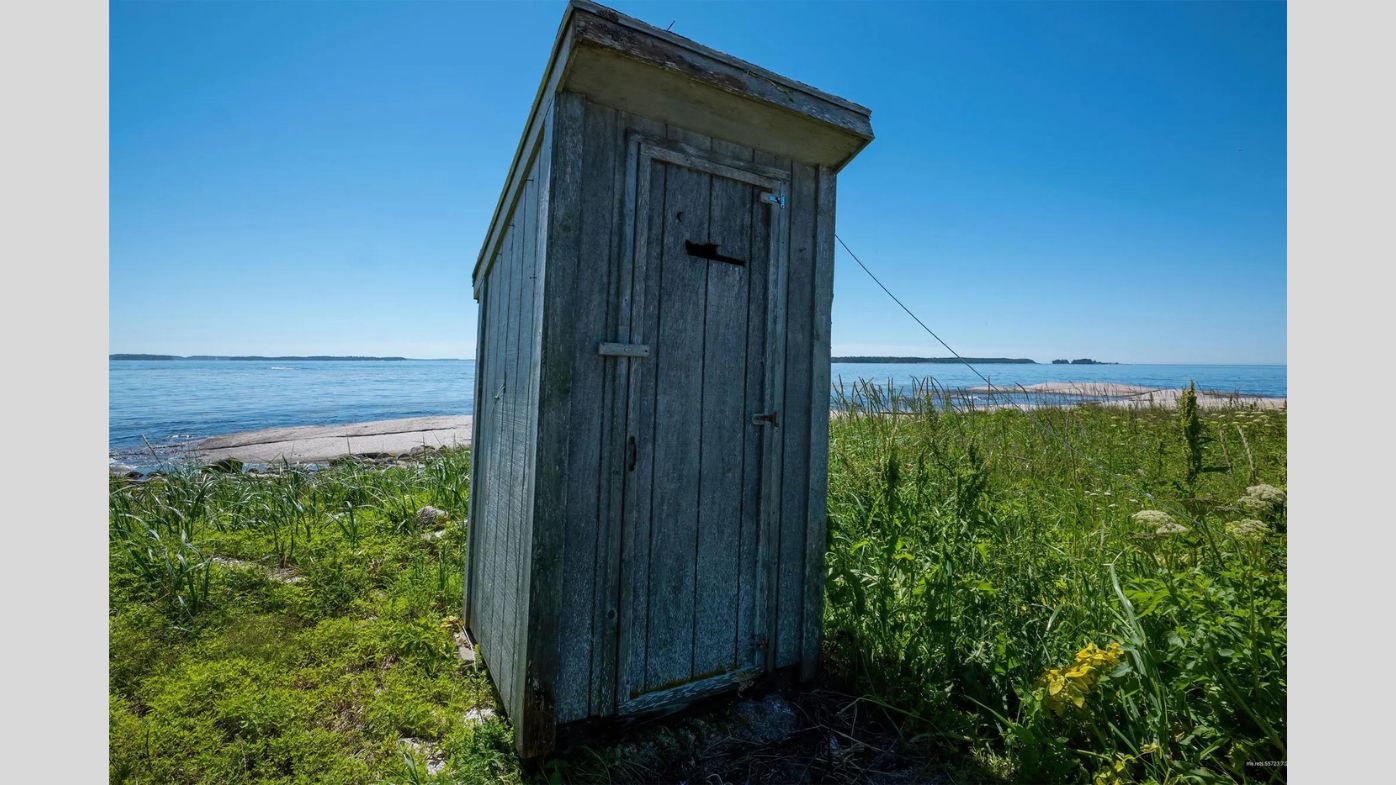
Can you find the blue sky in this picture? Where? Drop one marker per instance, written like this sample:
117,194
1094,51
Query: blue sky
1048,179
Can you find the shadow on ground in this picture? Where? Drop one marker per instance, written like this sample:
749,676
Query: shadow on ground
817,735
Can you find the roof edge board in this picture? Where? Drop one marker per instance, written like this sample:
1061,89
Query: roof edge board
590,24
675,39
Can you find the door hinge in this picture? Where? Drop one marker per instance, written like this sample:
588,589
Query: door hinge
770,198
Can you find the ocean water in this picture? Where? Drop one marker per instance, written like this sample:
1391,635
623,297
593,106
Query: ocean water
172,401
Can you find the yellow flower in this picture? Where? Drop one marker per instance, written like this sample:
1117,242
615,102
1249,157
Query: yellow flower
1072,684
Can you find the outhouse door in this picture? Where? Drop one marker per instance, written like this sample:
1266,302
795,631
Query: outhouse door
703,287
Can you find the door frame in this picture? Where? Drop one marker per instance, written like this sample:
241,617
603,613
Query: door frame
617,642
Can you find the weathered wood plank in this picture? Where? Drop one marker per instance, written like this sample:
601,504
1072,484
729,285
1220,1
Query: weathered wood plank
509,471
678,391
490,522
527,678
606,591
724,424
479,437
474,465
750,622
796,430
641,426
680,696
579,270
515,418
691,150
772,444
530,276
616,654
816,536
520,530
552,226
494,651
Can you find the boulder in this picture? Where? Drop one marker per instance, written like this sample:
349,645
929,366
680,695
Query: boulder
226,466
431,517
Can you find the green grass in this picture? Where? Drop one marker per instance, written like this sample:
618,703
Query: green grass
294,629
972,552
297,628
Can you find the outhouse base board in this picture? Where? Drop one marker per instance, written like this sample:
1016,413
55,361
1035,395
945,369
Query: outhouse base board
615,728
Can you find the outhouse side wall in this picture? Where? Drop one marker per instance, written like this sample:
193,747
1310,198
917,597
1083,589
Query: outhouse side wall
503,456
578,508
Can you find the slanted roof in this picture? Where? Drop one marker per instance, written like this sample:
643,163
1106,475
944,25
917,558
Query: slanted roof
625,63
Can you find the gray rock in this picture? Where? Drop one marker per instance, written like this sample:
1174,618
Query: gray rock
122,470
435,758
431,517
226,466
478,715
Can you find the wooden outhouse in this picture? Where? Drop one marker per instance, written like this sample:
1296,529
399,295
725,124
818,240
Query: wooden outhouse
647,508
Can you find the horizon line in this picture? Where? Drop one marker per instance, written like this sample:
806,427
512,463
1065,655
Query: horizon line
113,355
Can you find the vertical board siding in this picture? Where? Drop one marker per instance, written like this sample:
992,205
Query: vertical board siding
526,411
751,613
773,442
559,624
714,641
502,461
496,525
540,542
617,557
817,536
797,412
510,465
467,604
637,510
676,443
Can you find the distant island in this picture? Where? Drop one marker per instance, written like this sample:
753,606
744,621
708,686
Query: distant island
1082,361
974,360
314,357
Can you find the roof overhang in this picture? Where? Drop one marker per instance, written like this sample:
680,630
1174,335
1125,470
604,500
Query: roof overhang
627,64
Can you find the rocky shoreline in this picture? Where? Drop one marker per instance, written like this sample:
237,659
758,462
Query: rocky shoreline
380,443
1115,394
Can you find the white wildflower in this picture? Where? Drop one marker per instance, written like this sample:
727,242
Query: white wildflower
1247,529
1263,499
1252,504
1266,493
1171,527
1152,519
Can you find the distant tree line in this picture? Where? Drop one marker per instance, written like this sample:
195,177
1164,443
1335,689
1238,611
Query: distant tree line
318,357
975,360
